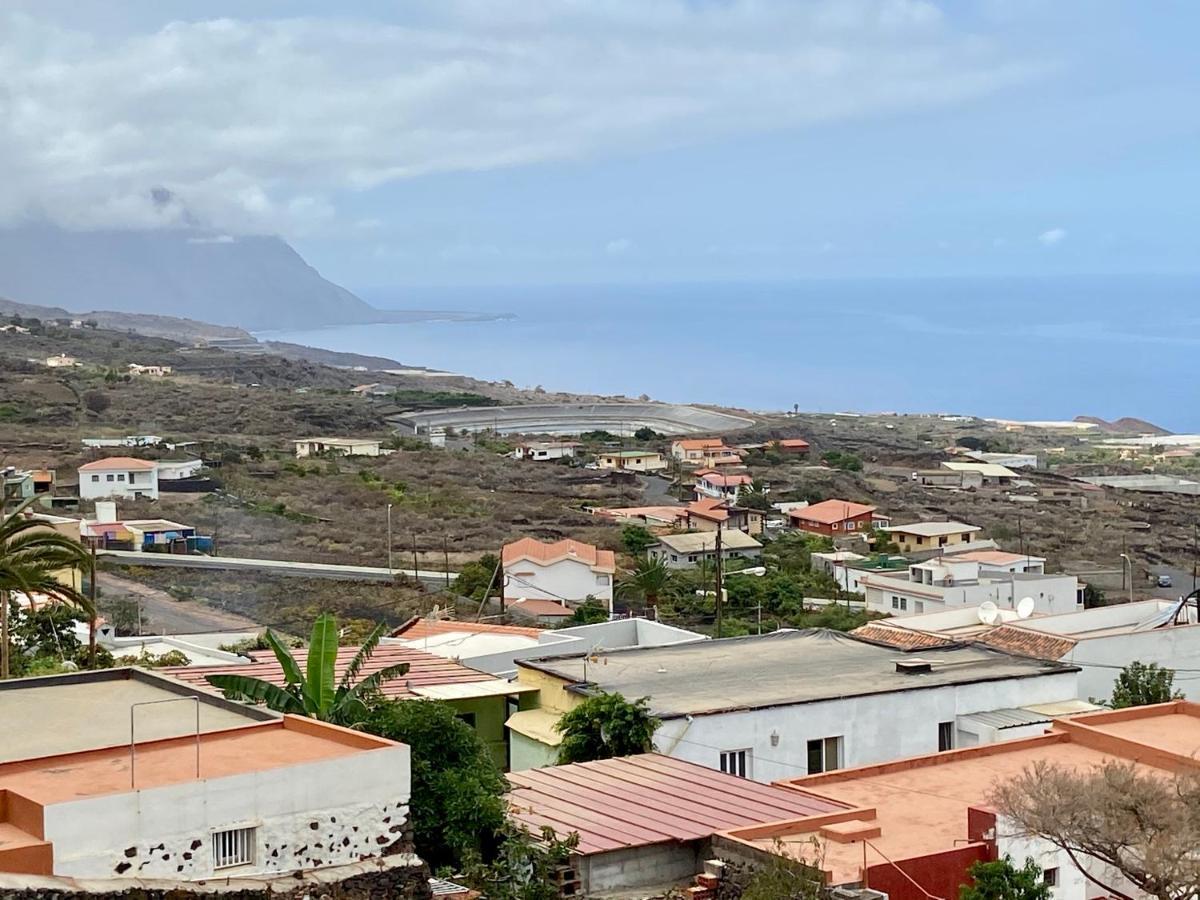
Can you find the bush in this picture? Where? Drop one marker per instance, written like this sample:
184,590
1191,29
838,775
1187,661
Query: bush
636,539
97,401
605,726
457,806
846,462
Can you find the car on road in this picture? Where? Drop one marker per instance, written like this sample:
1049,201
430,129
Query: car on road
1164,580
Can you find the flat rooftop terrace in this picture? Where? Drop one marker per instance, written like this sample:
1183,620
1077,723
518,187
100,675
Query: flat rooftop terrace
71,713
264,745
782,668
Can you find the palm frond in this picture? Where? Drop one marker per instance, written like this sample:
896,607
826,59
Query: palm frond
322,662
255,690
291,669
362,656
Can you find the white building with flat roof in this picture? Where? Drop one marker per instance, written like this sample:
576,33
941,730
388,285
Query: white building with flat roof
204,788
949,581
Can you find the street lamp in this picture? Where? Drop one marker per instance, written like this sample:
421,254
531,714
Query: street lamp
1128,562
389,539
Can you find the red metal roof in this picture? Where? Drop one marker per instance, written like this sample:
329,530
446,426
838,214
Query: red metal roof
636,801
424,669
417,628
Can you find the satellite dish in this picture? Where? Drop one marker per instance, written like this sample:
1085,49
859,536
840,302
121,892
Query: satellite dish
1025,608
989,612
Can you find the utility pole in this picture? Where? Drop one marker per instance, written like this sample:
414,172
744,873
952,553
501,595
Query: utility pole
391,573
413,535
720,585
92,623
1195,557
446,561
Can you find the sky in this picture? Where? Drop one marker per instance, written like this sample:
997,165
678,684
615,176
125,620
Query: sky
464,142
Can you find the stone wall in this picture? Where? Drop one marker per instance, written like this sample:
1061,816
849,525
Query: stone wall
400,877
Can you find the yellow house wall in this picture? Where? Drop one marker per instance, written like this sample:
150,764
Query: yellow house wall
908,542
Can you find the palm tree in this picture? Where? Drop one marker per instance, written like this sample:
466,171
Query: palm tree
649,580
316,692
30,556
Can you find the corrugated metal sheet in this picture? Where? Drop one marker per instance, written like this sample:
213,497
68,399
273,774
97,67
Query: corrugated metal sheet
649,799
424,670
1008,718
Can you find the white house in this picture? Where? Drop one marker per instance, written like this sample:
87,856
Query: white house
176,469
699,548
1100,641
777,705
567,571
719,485
118,476
155,371
989,472
338,447
544,451
203,788
951,581
632,460
61,361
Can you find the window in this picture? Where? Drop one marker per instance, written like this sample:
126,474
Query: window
674,558
920,540
824,755
234,847
900,603
918,606
108,478
468,717
736,762
121,476
945,736
1050,877
835,526
849,526
95,478
601,579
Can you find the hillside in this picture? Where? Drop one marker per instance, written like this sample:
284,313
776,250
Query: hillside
1124,425
255,282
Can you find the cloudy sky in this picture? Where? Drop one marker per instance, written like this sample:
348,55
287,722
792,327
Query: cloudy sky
493,141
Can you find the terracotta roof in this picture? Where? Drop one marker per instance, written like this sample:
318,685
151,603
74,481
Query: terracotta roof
119,462
537,608
900,638
723,480
546,554
1022,642
793,442
709,508
424,669
637,801
700,443
829,511
417,628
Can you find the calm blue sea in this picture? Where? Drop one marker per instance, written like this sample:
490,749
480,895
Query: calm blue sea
1045,348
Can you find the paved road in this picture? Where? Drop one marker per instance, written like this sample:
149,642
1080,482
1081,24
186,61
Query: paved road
1181,582
164,614
277,566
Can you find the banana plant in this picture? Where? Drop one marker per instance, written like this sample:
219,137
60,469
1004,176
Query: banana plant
315,691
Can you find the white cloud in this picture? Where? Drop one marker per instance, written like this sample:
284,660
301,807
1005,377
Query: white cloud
1052,237
617,246
260,124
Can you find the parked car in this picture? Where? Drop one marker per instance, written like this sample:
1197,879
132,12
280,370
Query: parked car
1164,580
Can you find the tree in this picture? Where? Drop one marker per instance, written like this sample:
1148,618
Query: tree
316,692
1139,684
526,866
96,401
1001,880
847,462
31,556
1093,597
475,578
605,726
1145,825
646,433
649,581
754,495
589,612
457,807
636,539
881,542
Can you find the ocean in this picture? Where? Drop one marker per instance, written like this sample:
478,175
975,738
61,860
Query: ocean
1028,348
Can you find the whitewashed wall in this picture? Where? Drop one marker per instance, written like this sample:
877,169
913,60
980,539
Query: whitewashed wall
875,728
571,579
320,813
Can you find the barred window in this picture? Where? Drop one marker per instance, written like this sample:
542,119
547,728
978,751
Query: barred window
234,847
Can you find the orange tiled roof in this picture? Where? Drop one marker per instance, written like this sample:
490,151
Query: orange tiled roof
797,443
900,638
721,479
417,628
547,554
535,607
119,462
1023,642
700,443
424,669
829,511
